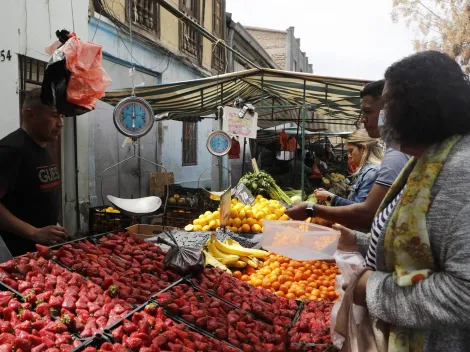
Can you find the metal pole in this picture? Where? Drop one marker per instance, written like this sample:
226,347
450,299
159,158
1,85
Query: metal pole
243,160
304,115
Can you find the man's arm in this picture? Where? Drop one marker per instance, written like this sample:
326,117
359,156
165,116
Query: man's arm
358,216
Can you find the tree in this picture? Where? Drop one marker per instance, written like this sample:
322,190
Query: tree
444,25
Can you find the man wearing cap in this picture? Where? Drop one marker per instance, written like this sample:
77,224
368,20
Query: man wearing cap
361,215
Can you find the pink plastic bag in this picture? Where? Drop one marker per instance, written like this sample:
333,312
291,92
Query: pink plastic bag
88,80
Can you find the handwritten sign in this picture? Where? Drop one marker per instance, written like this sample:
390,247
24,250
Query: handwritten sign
225,203
243,194
243,127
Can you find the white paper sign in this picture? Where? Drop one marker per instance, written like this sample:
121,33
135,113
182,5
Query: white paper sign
241,127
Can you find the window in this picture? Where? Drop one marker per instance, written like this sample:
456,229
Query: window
190,41
218,27
145,14
189,143
31,75
218,15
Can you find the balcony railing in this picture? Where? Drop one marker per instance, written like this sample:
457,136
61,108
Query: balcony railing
190,41
145,13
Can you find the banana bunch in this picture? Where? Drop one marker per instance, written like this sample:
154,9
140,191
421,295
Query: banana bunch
230,253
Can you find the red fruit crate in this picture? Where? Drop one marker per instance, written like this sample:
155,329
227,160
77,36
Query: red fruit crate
168,332
259,302
312,330
222,320
93,343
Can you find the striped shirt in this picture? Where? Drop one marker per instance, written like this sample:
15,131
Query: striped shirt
377,227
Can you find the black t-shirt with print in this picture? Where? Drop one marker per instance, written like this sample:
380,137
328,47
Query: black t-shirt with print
30,181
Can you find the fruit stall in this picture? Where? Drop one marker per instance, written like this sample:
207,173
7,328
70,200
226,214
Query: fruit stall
113,292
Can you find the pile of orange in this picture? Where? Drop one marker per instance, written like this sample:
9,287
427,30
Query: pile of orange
311,279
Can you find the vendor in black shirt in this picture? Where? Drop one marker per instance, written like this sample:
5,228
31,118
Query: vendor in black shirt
30,180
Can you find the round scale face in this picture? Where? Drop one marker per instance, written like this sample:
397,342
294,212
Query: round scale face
133,117
219,143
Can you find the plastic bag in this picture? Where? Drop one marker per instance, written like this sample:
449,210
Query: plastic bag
88,79
183,260
74,78
348,263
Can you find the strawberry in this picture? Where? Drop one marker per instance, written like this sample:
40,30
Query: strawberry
12,283
6,338
128,326
44,251
34,340
39,324
39,348
118,333
22,344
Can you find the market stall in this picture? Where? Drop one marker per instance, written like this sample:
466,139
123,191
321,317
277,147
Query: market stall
315,103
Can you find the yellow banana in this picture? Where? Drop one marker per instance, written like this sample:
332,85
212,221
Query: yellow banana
249,261
210,260
240,251
239,264
224,258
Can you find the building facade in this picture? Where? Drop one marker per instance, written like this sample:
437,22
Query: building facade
283,47
163,50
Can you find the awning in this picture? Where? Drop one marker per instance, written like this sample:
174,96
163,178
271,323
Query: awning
333,103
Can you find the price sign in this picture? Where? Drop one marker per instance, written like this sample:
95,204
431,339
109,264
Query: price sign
243,194
225,203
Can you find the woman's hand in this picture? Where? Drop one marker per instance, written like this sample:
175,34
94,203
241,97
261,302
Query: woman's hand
322,195
347,240
360,289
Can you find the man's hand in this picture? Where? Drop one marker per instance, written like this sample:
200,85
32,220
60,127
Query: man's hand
49,235
322,195
347,240
297,212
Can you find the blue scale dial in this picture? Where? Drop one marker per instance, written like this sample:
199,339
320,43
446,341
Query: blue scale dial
133,117
219,143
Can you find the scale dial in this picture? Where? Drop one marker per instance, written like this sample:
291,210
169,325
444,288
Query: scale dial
133,117
219,143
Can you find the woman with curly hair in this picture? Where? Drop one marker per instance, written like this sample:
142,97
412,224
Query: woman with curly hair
365,154
418,251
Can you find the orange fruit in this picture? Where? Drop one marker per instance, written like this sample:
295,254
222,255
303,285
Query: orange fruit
276,285
280,293
246,228
237,274
290,296
244,277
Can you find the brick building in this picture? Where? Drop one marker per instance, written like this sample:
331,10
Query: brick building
283,47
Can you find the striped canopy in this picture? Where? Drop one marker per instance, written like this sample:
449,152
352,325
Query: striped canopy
333,104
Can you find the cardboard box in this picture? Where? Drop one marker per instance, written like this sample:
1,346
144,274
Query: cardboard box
146,231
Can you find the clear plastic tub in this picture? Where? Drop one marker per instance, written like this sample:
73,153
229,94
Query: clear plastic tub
300,240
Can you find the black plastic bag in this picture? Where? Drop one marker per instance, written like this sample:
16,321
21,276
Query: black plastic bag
56,79
183,260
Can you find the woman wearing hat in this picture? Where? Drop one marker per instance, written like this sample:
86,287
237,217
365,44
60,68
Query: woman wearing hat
365,154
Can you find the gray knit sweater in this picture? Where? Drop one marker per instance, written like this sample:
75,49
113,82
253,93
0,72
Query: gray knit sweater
440,304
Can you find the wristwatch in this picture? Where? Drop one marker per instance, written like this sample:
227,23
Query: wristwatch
310,210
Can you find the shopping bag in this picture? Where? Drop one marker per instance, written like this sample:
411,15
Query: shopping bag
348,263
370,335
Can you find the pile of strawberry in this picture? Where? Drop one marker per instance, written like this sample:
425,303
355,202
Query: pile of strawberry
145,254
22,329
313,327
225,322
55,292
150,330
263,304
130,280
